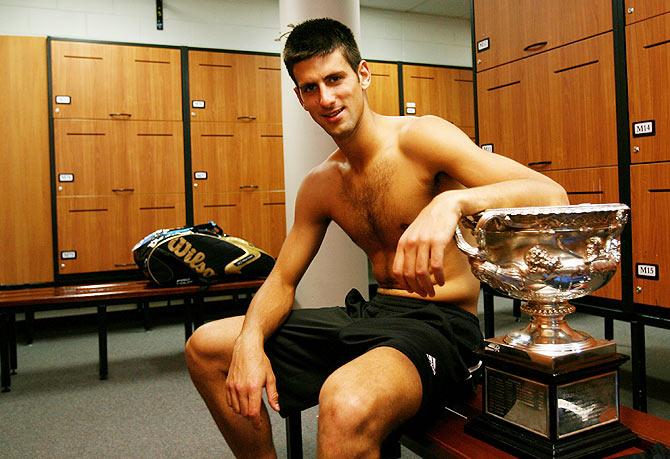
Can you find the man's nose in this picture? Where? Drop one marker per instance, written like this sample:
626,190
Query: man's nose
327,96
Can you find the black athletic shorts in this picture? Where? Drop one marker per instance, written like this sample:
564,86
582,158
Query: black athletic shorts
439,338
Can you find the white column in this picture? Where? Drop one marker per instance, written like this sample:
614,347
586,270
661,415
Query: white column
339,265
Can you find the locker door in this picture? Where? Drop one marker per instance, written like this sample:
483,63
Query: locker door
650,200
648,54
593,186
262,158
91,234
151,82
266,224
261,98
85,79
86,153
423,91
224,208
505,119
460,98
215,84
153,212
155,151
581,116
383,91
637,10
216,153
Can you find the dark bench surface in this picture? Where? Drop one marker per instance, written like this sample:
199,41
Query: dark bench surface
136,290
447,438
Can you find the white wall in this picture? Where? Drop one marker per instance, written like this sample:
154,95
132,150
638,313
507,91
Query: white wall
249,25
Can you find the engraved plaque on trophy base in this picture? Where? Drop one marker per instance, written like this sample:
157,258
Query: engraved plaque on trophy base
558,408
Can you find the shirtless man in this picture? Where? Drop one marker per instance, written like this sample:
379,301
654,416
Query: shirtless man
398,187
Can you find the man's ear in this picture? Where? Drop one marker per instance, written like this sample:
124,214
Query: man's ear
297,93
364,74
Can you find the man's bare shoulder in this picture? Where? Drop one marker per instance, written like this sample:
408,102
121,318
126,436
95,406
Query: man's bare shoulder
318,185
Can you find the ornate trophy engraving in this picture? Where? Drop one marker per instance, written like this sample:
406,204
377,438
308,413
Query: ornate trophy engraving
549,390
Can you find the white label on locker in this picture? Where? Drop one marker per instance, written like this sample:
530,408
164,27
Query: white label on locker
488,147
68,255
63,99
410,105
66,177
644,128
483,45
410,110
200,175
646,271
198,104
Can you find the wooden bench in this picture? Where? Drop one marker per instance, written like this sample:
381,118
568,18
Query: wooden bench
101,296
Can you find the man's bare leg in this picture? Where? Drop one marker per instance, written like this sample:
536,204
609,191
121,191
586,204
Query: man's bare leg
208,354
364,401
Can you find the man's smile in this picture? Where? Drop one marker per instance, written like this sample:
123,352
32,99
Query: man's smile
332,115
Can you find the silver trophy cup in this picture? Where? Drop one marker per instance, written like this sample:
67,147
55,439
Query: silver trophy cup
549,390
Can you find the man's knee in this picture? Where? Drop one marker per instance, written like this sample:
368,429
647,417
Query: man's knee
211,344
343,409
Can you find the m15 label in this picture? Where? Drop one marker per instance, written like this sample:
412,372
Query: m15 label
198,104
200,175
646,271
487,147
66,177
644,128
68,255
483,45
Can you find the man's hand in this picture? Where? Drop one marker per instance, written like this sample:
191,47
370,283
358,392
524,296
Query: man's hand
419,258
250,371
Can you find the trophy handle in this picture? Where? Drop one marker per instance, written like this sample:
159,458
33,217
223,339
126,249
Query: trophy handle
464,246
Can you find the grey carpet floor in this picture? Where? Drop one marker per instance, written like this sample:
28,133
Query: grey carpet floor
148,407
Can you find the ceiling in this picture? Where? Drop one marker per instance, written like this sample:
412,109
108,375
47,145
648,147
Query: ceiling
450,8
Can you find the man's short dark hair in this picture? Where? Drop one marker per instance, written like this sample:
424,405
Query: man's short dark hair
319,37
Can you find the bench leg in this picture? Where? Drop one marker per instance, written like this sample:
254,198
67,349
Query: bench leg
29,323
11,331
609,328
5,378
143,307
102,341
489,325
639,365
294,436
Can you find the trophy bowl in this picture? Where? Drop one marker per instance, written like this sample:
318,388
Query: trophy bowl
547,256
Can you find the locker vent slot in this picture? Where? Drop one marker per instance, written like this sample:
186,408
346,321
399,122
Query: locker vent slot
157,208
584,192
573,67
271,135
381,74
217,135
274,203
416,77
85,133
208,206
154,135
147,61
461,80
513,83
96,58
73,211
267,68
223,66
653,45
659,190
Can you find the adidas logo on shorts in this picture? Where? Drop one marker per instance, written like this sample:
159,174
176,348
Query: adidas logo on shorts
432,361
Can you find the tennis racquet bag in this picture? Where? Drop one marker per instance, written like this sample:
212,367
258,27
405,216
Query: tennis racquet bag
201,254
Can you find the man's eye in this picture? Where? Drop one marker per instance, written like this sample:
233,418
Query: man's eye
308,88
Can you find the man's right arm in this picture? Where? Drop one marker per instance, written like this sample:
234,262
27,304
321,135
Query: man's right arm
250,368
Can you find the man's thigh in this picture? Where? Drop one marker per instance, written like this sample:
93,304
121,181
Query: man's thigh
383,382
215,340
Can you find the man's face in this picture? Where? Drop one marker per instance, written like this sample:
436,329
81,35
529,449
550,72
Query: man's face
332,92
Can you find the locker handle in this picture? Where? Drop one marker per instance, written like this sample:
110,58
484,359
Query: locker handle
120,115
247,187
246,118
123,190
539,163
535,46
123,265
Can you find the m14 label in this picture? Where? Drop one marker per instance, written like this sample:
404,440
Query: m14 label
644,128
646,271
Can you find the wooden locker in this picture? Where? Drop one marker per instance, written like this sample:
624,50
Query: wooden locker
92,234
216,154
262,164
101,81
155,153
152,212
637,10
267,228
383,94
593,186
650,200
261,97
460,97
648,55
223,208
580,121
516,29
25,237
